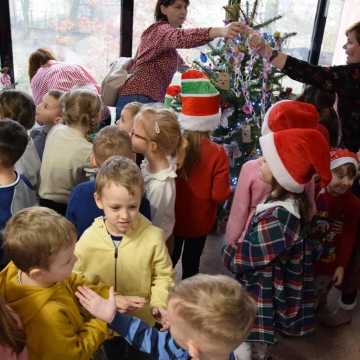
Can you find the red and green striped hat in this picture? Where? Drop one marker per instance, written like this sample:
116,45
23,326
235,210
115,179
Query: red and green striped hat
200,102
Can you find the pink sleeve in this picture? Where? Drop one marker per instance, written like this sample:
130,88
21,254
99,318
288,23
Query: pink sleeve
241,205
89,78
170,37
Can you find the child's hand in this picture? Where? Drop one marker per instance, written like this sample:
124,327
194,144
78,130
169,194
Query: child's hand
337,227
97,306
338,276
160,316
126,304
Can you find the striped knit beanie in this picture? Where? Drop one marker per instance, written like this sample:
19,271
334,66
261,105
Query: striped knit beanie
200,102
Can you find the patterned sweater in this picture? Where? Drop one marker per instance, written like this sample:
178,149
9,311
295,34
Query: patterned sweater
275,264
157,59
345,82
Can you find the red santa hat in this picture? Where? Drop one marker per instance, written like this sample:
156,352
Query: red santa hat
295,155
289,114
340,157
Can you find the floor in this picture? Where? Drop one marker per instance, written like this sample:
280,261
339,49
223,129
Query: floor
326,344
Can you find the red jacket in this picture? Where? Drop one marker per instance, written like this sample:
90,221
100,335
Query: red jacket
338,247
198,196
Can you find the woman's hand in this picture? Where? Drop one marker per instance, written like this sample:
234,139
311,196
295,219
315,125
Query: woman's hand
338,276
104,309
229,31
160,316
126,304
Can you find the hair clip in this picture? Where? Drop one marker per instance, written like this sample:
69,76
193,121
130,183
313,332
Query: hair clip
156,128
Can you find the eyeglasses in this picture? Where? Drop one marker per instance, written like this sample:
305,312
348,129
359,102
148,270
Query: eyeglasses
138,136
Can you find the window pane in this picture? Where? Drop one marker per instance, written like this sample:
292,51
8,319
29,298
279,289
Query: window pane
85,32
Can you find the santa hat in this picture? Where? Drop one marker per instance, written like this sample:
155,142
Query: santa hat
324,131
172,92
340,157
295,155
289,114
200,102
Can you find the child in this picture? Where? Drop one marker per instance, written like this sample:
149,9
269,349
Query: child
274,261
128,113
156,135
5,79
48,114
203,180
209,316
123,248
82,209
336,225
67,151
16,192
12,337
17,105
39,287
251,189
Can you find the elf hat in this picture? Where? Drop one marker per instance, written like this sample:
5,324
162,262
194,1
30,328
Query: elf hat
295,155
200,102
289,114
340,157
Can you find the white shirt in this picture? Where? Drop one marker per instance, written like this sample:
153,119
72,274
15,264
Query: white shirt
161,191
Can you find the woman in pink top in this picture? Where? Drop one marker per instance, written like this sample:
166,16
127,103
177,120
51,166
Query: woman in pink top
46,73
12,338
157,60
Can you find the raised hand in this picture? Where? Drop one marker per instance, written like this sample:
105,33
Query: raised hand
129,303
104,309
235,28
338,276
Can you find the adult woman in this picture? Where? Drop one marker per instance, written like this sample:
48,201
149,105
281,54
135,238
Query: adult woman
157,60
46,73
343,80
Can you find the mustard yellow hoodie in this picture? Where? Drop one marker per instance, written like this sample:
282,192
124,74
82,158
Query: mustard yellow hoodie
143,265
56,327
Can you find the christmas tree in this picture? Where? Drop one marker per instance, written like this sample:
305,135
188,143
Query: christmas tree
247,83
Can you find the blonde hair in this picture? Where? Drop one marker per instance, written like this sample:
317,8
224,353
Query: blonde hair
121,171
81,107
134,107
111,141
215,306
34,235
161,126
356,29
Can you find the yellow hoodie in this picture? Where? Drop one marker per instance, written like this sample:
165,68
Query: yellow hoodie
143,265
56,328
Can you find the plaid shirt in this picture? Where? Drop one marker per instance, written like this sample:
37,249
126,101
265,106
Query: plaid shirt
274,263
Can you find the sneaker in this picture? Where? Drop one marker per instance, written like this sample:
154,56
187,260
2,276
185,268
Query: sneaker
348,301
336,318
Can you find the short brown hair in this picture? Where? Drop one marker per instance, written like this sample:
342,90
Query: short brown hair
19,106
13,142
348,170
56,94
81,107
121,171
34,235
161,126
37,59
158,14
356,29
111,141
215,306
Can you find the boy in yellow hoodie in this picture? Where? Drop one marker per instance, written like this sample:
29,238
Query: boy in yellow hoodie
123,248
39,287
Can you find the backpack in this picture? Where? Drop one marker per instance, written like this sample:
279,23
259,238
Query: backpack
114,79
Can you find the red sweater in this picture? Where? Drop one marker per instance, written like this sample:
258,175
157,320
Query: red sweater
198,196
337,247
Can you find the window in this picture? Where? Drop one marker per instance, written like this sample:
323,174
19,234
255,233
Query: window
85,32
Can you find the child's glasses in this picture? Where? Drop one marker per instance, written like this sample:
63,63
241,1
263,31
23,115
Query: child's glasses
138,136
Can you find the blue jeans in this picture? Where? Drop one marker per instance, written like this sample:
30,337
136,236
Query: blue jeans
125,99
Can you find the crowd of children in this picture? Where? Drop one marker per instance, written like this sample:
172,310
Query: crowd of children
102,250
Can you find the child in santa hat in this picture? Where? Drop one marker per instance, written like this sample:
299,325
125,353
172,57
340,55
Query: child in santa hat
203,174
274,260
336,225
251,189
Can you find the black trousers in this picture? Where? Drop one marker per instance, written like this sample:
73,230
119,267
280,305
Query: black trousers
191,249
58,207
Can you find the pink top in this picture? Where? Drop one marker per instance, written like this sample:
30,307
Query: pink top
5,80
250,191
157,60
55,75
